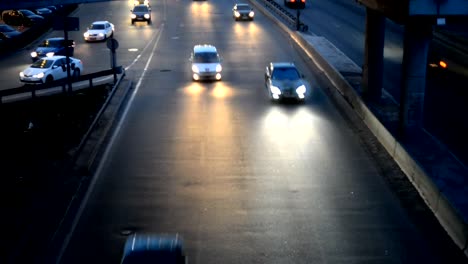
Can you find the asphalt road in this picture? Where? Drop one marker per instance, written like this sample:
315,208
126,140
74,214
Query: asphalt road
241,179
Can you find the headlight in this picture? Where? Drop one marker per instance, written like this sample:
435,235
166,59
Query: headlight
275,90
34,54
219,68
195,69
101,34
86,34
147,16
50,54
236,14
133,16
301,89
251,13
39,75
21,74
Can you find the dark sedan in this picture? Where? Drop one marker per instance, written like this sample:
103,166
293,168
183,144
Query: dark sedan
7,32
283,80
141,13
53,46
242,11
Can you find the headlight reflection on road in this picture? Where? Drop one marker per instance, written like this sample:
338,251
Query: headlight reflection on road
221,90
194,89
246,31
285,127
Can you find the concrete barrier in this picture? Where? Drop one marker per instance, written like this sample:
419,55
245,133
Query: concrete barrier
446,214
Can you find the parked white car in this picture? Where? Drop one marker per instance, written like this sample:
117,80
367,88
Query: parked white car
48,69
99,30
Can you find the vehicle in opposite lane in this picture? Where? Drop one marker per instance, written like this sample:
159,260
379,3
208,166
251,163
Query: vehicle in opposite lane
283,80
99,30
48,69
242,12
297,4
206,63
53,46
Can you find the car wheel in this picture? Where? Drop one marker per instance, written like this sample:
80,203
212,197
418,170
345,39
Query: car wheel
149,22
133,22
49,79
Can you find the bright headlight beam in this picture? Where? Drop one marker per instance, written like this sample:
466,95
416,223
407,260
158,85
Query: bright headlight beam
301,89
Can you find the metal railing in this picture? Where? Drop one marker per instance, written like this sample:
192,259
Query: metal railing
292,20
33,89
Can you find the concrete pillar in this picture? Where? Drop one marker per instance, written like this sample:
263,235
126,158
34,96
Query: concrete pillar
418,34
372,70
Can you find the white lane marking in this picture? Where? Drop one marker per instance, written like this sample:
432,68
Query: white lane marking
106,152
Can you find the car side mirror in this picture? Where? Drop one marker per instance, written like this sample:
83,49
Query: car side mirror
54,67
302,76
63,67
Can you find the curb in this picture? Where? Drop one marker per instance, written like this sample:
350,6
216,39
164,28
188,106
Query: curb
85,160
345,95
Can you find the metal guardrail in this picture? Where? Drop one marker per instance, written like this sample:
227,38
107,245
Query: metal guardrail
63,83
291,19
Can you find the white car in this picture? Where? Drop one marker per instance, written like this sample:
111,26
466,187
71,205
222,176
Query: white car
99,30
48,69
206,63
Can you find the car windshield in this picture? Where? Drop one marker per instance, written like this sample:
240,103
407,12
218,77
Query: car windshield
96,26
286,73
243,7
26,12
140,9
48,43
42,64
205,57
5,28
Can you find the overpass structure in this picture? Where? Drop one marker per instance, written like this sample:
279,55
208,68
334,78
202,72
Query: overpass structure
419,17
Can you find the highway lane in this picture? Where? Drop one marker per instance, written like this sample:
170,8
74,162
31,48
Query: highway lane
241,179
